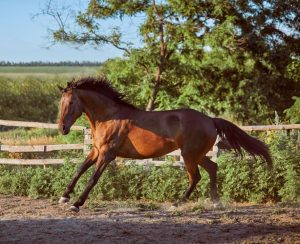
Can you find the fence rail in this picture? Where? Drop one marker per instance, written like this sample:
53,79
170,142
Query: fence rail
35,125
41,148
42,161
85,146
270,127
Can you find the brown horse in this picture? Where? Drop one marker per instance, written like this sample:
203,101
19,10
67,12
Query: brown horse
121,130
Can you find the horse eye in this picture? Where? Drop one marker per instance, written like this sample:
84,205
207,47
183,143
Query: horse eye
71,103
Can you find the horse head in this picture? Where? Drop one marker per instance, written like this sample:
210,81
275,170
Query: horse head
70,109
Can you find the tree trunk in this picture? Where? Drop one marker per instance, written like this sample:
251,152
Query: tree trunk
151,102
162,58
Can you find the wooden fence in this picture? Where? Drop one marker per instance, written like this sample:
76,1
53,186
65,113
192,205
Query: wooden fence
36,148
174,156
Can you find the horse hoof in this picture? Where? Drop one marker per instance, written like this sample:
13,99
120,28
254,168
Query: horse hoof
74,209
63,200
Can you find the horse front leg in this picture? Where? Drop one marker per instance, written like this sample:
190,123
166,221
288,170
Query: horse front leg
104,158
88,162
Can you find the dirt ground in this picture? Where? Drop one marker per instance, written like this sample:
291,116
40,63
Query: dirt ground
25,220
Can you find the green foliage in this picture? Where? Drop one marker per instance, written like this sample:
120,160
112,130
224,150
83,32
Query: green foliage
33,98
248,180
23,136
62,177
127,79
293,113
286,153
41,183
164,183
239,179
15,181
30,98
72,138
219,57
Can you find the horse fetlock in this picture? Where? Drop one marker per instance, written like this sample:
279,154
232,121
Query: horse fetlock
64,200
74,209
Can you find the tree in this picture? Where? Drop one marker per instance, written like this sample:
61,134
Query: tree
202,54
168,30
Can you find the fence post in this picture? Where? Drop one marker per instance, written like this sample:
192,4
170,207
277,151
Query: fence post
86,141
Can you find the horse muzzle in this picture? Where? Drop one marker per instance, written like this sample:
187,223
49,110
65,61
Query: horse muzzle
64,130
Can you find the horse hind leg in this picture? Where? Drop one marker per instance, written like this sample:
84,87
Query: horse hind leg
211,168
191,166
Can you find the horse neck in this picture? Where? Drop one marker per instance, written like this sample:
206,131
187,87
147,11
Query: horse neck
97,107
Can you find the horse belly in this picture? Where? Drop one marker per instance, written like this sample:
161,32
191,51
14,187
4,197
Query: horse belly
142,143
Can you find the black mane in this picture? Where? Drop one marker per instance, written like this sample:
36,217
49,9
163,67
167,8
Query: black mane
100,85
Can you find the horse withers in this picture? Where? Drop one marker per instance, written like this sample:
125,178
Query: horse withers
119,129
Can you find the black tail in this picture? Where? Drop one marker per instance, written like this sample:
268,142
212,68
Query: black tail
239,139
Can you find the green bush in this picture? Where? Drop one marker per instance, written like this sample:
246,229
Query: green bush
41,183
293,113
239,179
286,152
32,98
15,181
250,180
29,98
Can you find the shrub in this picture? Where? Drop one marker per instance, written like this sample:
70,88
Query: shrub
239,179
293,113
41,183
32,98
250,180
15,181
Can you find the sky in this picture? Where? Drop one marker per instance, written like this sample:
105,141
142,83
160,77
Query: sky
24,39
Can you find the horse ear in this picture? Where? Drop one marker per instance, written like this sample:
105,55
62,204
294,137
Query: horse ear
60,88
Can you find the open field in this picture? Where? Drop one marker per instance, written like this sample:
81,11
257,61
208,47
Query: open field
42,71
24,220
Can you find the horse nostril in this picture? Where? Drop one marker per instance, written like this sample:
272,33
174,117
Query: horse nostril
63,127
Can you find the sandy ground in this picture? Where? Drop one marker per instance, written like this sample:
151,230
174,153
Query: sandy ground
25,220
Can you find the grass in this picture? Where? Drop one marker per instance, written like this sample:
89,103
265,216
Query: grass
22,136
34,136
41,71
